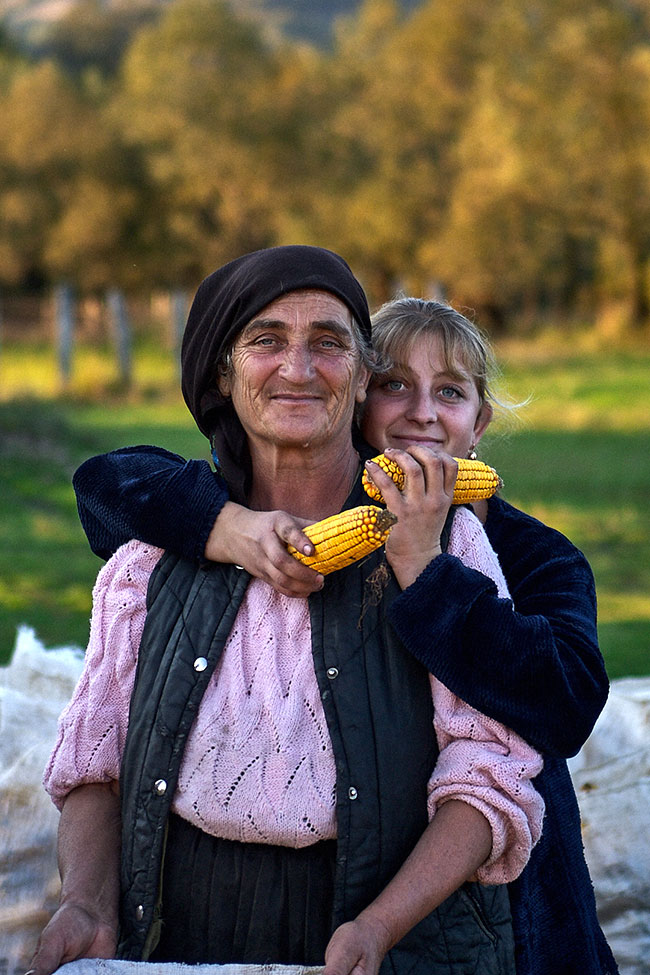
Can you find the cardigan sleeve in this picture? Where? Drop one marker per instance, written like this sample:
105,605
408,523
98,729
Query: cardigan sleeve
482,762
488,766
150,494
92,727
537,668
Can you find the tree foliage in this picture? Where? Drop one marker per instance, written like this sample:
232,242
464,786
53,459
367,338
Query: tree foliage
497,152
194,99
93,35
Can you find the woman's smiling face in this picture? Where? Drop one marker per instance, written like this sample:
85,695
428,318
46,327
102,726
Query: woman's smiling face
420,400
297,372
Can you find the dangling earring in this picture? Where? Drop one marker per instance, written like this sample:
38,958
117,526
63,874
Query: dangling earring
472,455
213,453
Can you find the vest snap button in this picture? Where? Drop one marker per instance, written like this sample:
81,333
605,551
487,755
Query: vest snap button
139,912
332,673
200,664
352,792
160,786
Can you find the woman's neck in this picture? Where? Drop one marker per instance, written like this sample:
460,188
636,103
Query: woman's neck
308,485
480,509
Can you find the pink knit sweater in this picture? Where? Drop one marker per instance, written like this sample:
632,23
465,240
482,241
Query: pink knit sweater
258,765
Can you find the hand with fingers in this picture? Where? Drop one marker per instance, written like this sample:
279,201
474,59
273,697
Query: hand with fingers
72,933
257,541
421,507
357,947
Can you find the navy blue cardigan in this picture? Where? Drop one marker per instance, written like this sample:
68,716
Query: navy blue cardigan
537,669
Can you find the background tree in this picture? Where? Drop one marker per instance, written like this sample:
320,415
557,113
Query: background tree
497,152
94,35
406,93
551,188
193,98
43,139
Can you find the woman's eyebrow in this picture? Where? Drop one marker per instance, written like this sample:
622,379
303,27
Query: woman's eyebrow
449,372
258,323
342,329
455,375
437,376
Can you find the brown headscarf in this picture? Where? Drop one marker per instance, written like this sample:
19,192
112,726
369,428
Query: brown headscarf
224,304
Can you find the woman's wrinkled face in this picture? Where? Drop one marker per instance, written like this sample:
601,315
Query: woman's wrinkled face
296,372
420,401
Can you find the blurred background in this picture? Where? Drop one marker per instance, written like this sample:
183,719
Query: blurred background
496,155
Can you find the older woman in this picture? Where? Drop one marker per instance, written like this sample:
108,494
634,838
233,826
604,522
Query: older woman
302,787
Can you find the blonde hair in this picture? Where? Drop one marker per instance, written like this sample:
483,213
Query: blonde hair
400,323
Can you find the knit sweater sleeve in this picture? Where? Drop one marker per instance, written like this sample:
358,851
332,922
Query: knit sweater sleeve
485,765
150,494
92,727
481,762
536,668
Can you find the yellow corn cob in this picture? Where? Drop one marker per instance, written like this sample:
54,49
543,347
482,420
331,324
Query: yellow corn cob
475,480
346,537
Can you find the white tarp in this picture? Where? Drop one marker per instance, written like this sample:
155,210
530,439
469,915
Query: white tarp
611,775
33,690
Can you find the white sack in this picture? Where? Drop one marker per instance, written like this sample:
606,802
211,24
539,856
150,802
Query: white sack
611,776
33,691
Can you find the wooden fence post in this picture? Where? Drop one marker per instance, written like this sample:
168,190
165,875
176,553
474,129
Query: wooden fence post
121,328
179,305
64,316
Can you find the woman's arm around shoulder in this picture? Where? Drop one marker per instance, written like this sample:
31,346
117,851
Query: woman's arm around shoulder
534,665
151,494
182,506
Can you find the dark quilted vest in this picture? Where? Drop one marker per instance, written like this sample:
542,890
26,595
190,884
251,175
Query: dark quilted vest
377,703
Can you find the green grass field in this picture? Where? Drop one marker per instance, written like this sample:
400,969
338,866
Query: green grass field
579,458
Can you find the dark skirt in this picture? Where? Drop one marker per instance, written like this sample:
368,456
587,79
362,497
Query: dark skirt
244,902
